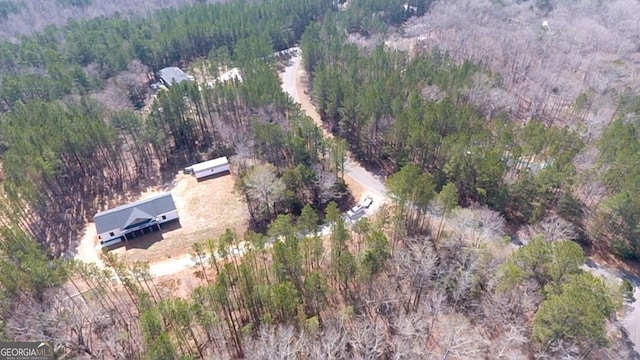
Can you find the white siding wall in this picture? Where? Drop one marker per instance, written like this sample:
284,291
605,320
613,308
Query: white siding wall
172,215
106,235
212,171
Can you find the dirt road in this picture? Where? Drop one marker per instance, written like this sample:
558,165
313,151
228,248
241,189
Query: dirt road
631,317
168,251
367,183
87,251
293,82
293,78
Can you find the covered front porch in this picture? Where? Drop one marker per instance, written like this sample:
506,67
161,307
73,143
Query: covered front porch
139,227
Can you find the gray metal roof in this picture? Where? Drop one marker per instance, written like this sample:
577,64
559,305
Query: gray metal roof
172,75
206,165
134,213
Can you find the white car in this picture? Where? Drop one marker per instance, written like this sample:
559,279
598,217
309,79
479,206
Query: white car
355,212
367,202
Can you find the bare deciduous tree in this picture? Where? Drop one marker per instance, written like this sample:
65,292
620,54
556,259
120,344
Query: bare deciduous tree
551,228
510,345
462,271
59,319
477,225
368,339
282,343
546,59
414,333
416,266
263,186
331,344
325,182
459,339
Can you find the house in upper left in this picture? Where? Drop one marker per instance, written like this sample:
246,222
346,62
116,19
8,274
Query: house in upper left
173,75
125,222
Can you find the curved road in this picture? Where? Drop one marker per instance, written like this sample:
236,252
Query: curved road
631,317
292,84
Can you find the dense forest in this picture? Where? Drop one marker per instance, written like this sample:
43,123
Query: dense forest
458,294
565,63
19,17
436,273
76,58
394,110
65,155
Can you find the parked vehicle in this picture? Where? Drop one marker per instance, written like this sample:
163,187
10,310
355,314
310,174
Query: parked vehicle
356,212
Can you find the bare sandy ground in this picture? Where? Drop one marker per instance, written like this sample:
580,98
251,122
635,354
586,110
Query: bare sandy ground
206,208
87,251
357,190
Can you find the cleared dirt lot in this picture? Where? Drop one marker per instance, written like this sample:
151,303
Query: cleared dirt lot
206,208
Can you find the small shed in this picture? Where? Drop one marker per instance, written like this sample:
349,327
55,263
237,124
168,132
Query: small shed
211,167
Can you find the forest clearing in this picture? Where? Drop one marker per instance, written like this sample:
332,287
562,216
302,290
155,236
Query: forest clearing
206,209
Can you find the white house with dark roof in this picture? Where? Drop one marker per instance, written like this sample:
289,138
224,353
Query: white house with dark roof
127,221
